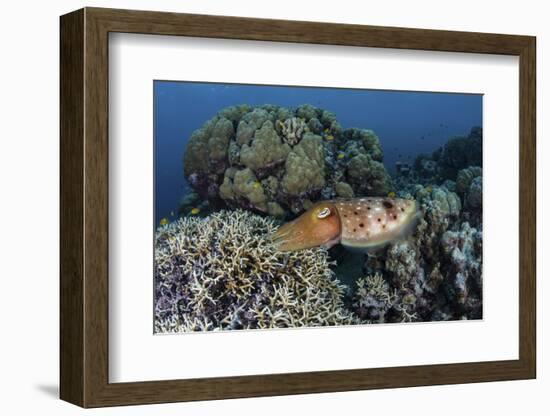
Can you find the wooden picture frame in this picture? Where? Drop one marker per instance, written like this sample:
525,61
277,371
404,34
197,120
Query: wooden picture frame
84,207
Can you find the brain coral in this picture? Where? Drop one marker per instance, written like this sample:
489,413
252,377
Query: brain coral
304,152
221,272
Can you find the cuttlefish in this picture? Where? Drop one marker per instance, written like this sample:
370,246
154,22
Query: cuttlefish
358,224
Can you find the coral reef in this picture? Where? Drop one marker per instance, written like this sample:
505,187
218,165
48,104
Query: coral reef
474,197
465,177
461,152
446,163
222,272
435,274
463,251
304,153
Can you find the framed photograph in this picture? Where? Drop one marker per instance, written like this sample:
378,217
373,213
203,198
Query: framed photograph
255,207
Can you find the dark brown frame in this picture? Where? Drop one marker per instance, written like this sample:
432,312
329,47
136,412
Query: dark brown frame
84,210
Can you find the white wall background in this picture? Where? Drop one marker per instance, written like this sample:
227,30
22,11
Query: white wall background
29,83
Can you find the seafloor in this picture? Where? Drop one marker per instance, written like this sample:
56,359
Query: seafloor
254,168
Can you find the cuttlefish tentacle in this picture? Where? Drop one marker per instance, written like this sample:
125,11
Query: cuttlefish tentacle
360,223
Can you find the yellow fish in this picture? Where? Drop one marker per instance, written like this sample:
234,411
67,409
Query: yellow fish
326,130
357,223
164,221
195,211
330,137
257,185
391,194
341,156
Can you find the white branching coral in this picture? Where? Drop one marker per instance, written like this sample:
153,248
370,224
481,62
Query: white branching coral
222,272
373,298
375,301
292,129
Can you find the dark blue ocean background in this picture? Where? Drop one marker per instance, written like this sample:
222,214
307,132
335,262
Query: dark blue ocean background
407,123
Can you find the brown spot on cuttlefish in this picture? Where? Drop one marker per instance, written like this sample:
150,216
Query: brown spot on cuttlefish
360,223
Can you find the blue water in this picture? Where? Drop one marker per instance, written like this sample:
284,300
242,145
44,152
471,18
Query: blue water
407,123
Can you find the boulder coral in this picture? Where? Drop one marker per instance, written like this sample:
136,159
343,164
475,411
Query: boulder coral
448,201
244,186
266,150
368,176
344,190
465,177
304,153
222,272
305,167
369,141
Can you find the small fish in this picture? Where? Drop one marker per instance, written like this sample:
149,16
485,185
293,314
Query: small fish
172,213
256,185
330,137
326,130
359,224
391,194
164,221
195,211
341,156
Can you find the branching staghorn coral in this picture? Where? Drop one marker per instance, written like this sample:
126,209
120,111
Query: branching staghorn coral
222,272
375,301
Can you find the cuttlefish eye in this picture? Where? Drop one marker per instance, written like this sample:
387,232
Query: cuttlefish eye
325,212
